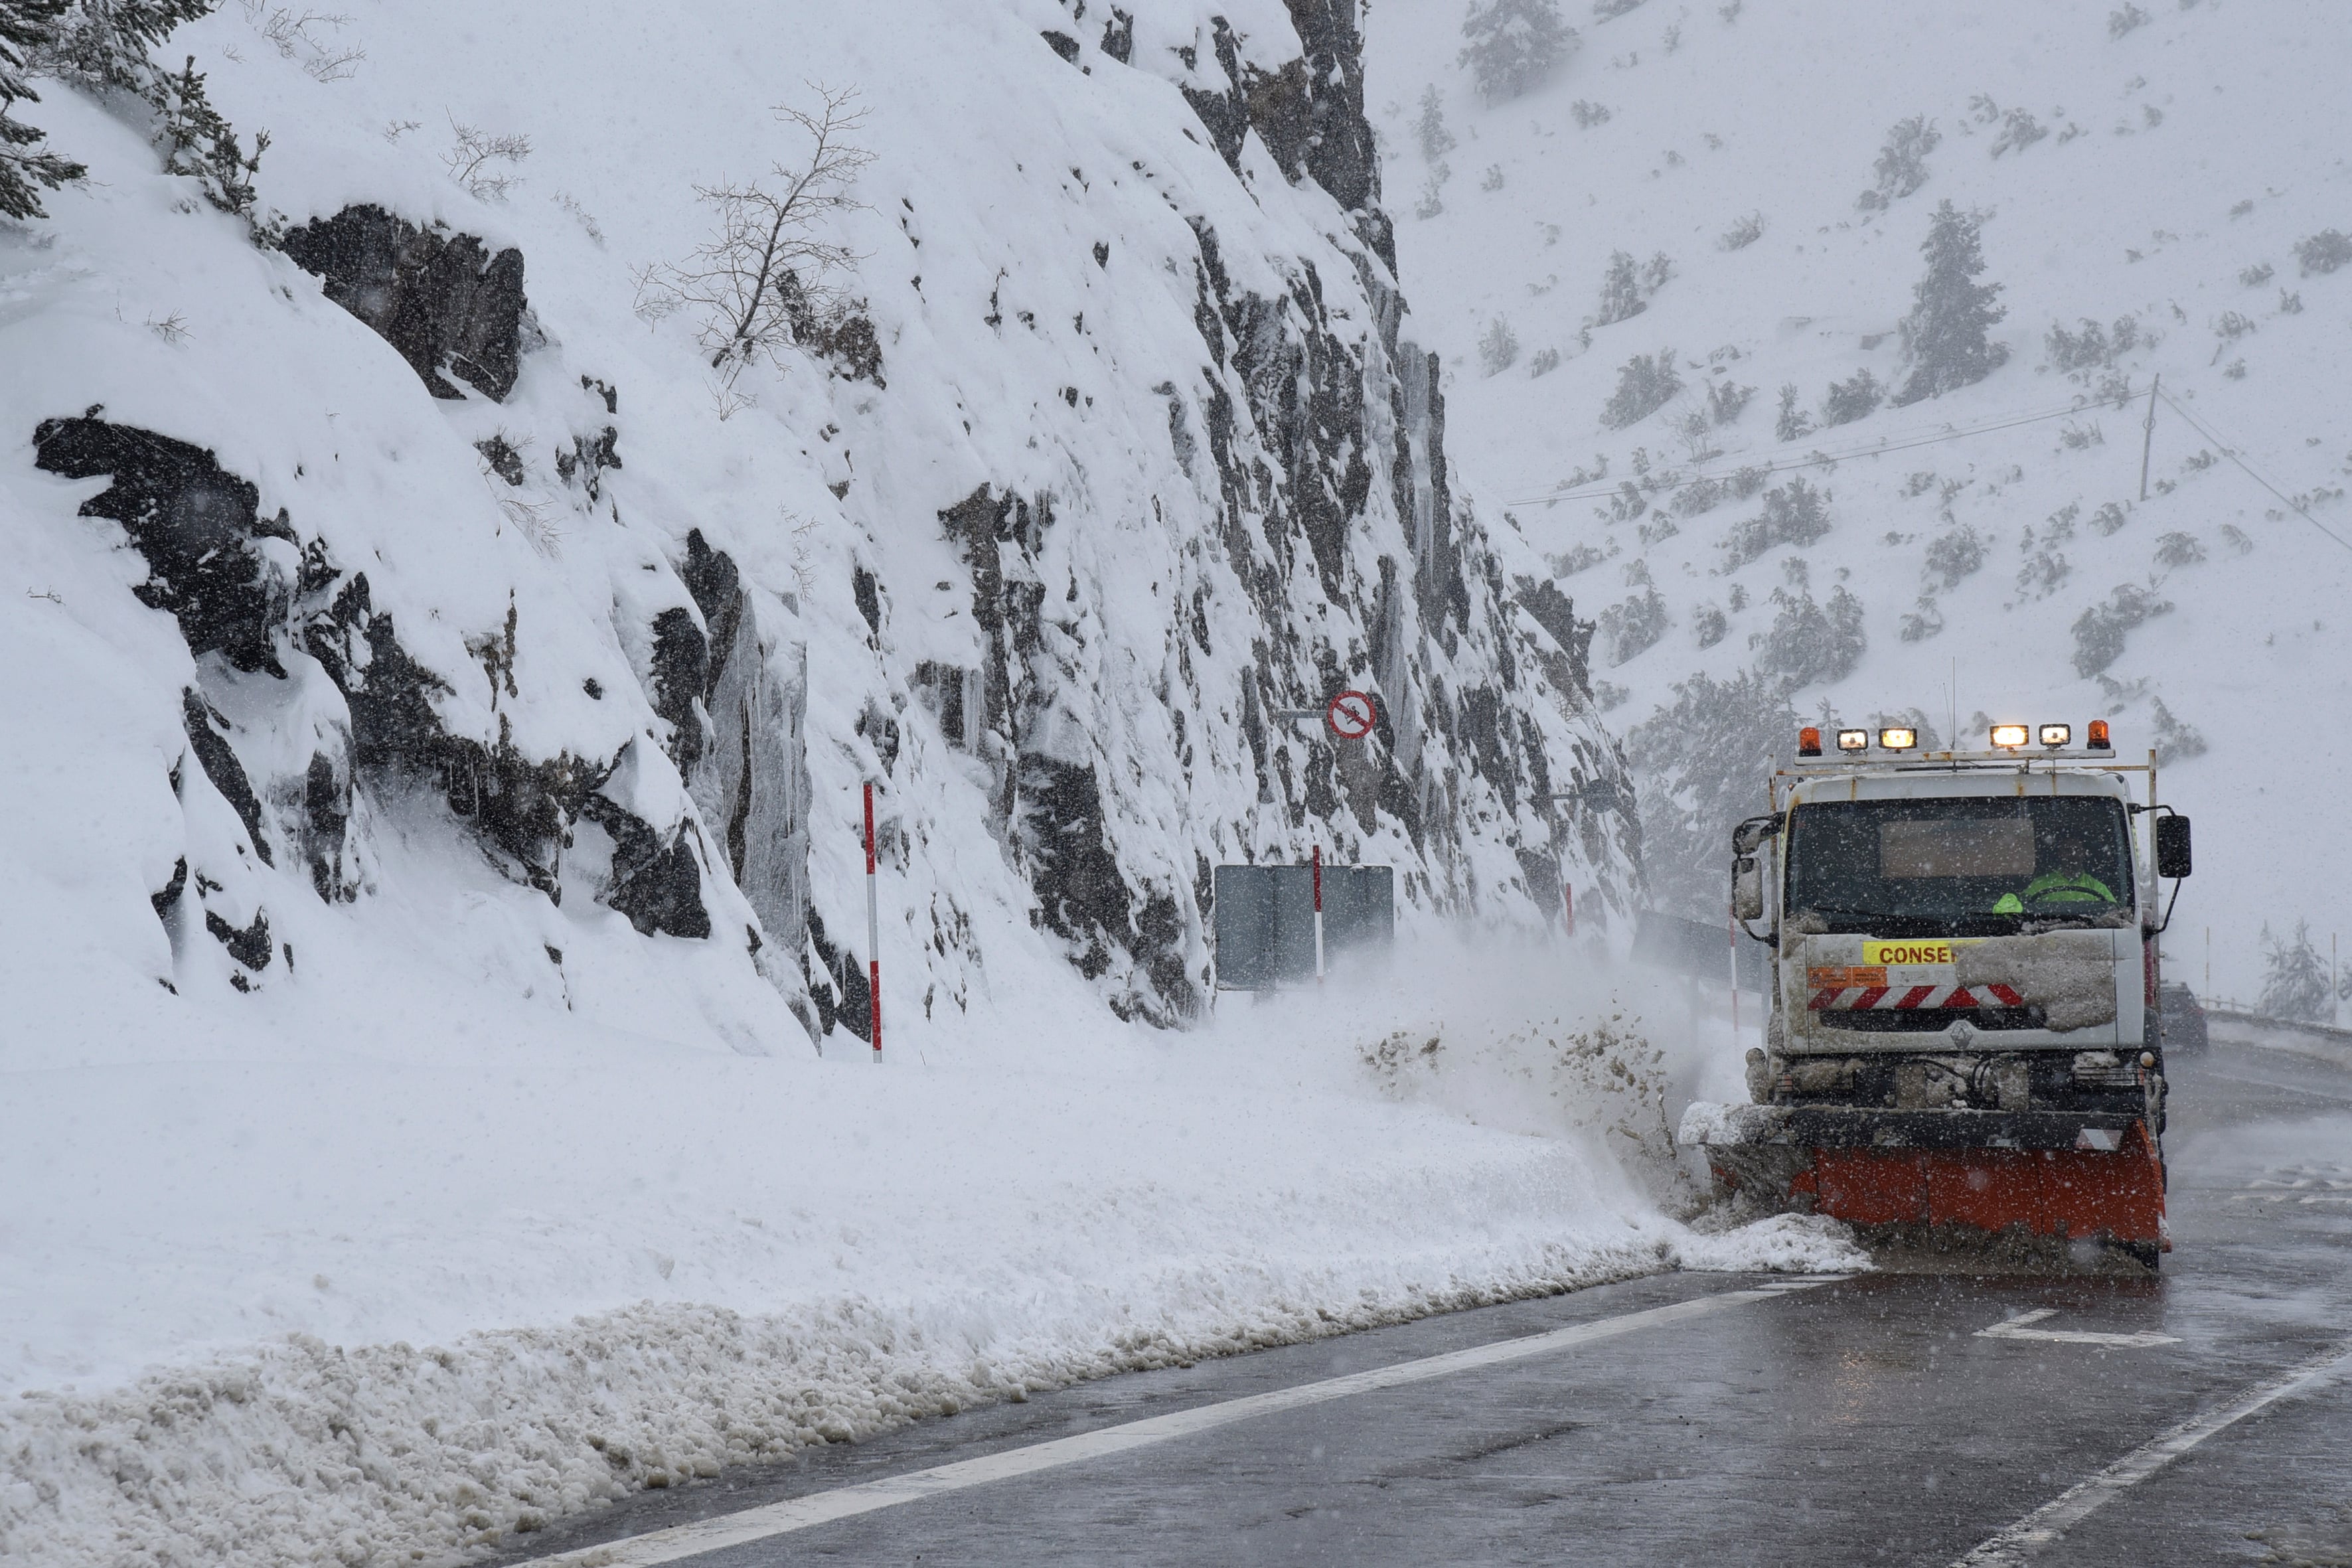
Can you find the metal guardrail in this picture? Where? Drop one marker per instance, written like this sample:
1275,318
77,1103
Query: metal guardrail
2228,1013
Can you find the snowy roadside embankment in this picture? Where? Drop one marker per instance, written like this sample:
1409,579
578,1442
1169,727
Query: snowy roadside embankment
420,1304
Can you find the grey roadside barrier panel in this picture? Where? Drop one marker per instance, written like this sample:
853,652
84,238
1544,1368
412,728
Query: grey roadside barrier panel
1263,920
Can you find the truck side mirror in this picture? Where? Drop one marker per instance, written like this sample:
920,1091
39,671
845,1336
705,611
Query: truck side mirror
2172,845
1746,888
1751,832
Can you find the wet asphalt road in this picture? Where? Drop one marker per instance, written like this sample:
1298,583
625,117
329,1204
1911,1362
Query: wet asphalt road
1860,1421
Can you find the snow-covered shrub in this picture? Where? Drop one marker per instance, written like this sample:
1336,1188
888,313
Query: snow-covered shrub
1432,200
1711,625
2254,277
2045,568
2094,347
1603,10
2236,538
2295,981
770,264
1809,642
1902,166
1498,349
1492,180
2108,518
2323,252
2099,631
1701,765
2018,130
1725,399
2124,21
483,162
1512,44
1627,287
1578,558
1543,363
1796,513
26,167
1586,114
1952,312
1920,624
2174,740
1953,556
1853,399
1634,626
2178,548
1436,140
2290,304
1745,231
1793,423
1646,384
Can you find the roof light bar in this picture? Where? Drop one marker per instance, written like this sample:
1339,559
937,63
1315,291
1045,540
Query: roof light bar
2009,737
1853,740
2056,735
2098,740
1900,738
1809,742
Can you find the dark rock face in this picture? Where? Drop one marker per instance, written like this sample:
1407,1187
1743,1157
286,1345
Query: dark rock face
440,298
1310,113
250,946
221,767
1119,35
681,678
250,587
197,528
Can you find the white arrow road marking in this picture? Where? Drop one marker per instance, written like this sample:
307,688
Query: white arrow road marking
2022,1542
2015,1329
844,1502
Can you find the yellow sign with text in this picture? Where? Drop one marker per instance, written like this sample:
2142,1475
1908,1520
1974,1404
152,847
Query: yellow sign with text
1912,954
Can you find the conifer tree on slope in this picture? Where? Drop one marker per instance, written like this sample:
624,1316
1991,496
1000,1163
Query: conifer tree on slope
1512,44
1944,335
26,167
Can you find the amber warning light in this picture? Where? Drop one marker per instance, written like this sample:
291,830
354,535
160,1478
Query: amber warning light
2098,740
1809,742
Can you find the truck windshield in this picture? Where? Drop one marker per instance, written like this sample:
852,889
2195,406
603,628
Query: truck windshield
1954,866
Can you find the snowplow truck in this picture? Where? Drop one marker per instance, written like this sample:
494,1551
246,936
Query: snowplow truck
1961,1051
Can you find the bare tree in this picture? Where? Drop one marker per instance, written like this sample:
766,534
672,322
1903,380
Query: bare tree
770,269
474,155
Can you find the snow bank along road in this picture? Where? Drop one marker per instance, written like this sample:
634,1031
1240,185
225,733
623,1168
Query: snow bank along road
2204,1417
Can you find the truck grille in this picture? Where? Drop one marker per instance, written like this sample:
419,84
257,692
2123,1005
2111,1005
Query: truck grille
1929,1020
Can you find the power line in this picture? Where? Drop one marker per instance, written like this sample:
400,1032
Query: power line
1816,459
2232,453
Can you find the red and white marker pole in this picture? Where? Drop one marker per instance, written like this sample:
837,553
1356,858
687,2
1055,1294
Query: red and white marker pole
1318,914
873,931
1568,905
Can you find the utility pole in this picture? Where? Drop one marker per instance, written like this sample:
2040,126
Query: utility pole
2147,435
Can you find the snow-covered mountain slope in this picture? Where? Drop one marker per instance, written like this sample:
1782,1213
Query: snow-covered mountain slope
442,699
2150,176
1114,444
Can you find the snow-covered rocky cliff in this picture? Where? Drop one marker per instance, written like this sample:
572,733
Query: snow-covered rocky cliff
416,604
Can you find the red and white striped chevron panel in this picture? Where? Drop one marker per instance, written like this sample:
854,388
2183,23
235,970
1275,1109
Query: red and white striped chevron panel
1887,999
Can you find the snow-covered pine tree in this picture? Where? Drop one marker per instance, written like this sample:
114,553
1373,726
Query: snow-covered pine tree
1945,334
1436,140
26,166
1514,44
2294,977
105,43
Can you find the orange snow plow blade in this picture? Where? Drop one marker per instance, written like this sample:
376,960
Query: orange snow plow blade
1942,1176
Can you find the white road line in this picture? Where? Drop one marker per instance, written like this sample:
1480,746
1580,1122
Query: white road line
843,1502
2015,1329
2022,1542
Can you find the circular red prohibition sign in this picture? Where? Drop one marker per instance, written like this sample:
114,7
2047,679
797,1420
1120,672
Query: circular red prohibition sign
1351,715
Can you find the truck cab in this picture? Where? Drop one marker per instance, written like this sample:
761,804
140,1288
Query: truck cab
1964,969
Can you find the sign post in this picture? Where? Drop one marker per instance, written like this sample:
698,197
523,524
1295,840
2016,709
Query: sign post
1318,914
873,931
